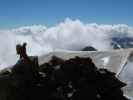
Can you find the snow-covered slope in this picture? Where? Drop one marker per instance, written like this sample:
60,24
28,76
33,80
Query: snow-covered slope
113,60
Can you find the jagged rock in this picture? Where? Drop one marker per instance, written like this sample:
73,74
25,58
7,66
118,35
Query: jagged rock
73,79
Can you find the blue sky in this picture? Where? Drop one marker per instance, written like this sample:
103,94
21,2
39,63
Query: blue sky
15,13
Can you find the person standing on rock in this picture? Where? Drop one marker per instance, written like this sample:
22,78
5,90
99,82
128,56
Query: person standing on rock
25,71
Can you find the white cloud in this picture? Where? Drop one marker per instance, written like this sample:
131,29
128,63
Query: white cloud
70,34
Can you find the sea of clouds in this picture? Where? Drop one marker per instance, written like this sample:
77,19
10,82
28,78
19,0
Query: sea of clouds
69,34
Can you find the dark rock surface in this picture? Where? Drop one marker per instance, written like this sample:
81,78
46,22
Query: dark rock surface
73,79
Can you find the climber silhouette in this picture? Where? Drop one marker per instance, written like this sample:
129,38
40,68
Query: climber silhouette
21,50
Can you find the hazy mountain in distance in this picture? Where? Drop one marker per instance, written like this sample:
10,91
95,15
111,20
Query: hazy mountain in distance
122,42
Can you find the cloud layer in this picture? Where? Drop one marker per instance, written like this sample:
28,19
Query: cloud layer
70,35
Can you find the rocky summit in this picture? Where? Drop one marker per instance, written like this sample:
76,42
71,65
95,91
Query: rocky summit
74,79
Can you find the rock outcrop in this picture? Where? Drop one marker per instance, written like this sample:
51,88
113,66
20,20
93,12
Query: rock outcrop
89,48
73,79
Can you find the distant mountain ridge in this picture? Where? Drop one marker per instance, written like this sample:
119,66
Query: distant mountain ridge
122,42
116,43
